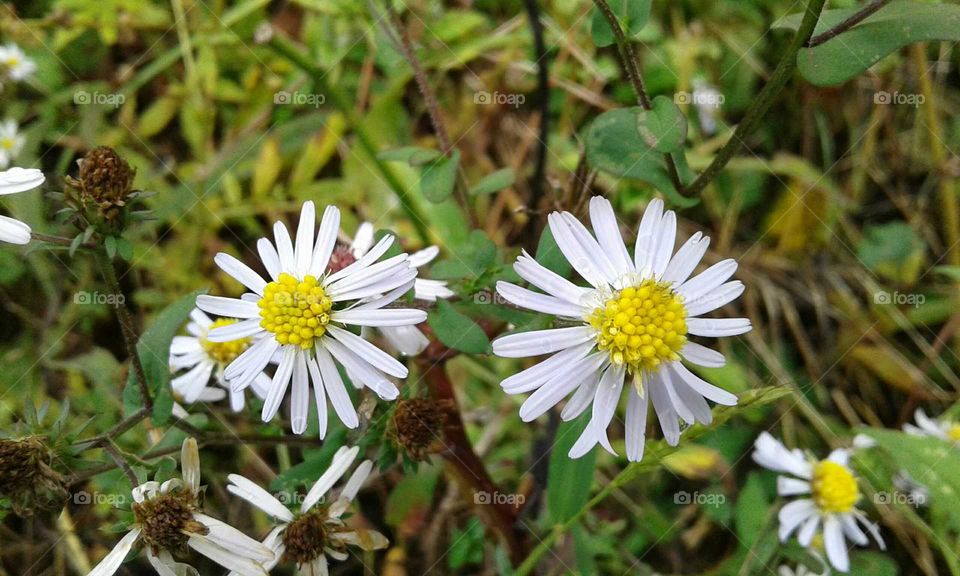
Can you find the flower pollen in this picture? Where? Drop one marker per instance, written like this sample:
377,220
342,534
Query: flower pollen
834,488
295,311
224,352
164,520
953,433
305,538
641,326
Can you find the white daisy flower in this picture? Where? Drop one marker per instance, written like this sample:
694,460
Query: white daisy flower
13,181
203,359
304,314
831,505
942,428
11,142
169,519
308,536
16,63
633,325
409,340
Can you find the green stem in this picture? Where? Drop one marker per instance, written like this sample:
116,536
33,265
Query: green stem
763,102
286,49
127,329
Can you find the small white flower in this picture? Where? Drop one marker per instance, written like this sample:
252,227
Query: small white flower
943,428
11,142
409,340
830,508
803,570
634,321
16,63
202,359
168,519
13,181
304,314
307,537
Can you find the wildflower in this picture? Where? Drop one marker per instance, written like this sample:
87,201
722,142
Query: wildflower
27,478
943,428
11,142
103,190
314,532
409,340
203,359
168,519
303,314
831,506
416,425
15,63
13,181
634,322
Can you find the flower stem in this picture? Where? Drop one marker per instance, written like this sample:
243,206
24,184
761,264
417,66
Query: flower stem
286,49
762,103
847,24
125,318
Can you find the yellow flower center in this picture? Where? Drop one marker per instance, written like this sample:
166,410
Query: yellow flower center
834,487
224,352
6,143
296,311
954,433
641,326
12,61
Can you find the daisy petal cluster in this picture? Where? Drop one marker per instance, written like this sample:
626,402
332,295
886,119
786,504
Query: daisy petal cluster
634,322
14,181
308,536
15,64
168,520
11,142
943,428
305,317
408,340
827,504
203,361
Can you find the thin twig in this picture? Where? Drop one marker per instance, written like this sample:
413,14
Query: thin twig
847,24
542,103
111,449
118,429
762,103
631,64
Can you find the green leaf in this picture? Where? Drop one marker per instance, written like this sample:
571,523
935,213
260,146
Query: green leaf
950,272
568,479
438,178
412,155
614,145
893,251
750,513
154,351
457,331
632,14
892,27
110,245
494,182
663,128
313,466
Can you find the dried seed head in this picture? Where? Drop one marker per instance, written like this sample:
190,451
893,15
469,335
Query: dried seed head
164,518
305,538
340,259
106,178
26,478
416,425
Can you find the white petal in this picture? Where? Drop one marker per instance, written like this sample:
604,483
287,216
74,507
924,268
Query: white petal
647,235
559,386
582,261
241,565
233,540
284,247
362,370
184,345
14,231
547,280
319,396
808,530
254,494
425,256
377,318
366,260
399,277
362,240
702,387
835,544
636,430
539,302
718,327
581,399
281,380
236,331
112,561
666,239
666,413
537,375
300,397
539,342
408,340
793,514
367,351
708,280
16,180
606,400
607,230
333,384
702,356
303,248
685,261
230,307
240,272
722,296
356,480
341,463
787,486
269,257
430,290
190,465
326,241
